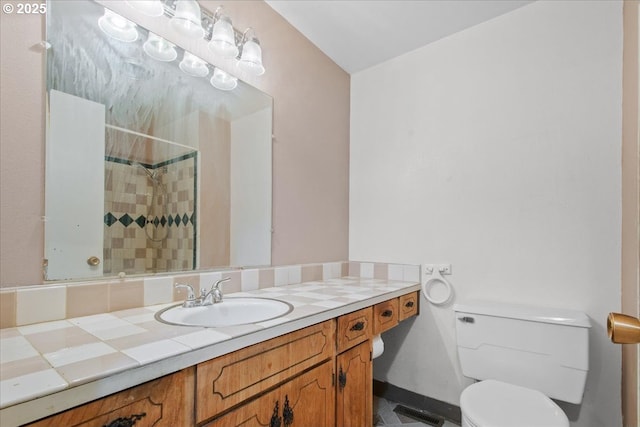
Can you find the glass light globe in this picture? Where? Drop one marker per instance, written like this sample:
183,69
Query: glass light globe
148,7
117,27
187,19
223,41
223,80
193,66
251,59
159,49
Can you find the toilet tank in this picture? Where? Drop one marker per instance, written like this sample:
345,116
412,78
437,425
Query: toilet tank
540,348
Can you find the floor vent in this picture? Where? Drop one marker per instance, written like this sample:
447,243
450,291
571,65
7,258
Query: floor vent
418,415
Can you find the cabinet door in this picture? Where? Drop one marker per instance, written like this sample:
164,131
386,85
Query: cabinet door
305,401
354,396
229,380
167,401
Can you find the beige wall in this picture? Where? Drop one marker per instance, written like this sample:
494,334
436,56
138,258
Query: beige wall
630,209
310,153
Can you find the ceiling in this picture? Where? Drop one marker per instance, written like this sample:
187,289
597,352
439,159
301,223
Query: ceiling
358,34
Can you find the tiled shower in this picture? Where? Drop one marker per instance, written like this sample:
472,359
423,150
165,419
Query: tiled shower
150,220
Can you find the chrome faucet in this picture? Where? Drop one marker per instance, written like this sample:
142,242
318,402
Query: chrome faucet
214,295
191,300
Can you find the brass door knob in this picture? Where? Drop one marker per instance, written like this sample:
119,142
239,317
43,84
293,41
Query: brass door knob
93,261
623,329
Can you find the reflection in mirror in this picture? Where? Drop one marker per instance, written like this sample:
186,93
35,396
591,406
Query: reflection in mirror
150,168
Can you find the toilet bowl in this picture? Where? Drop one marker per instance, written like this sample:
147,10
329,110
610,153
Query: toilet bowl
491,403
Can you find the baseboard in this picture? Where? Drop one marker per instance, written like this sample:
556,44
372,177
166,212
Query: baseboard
418,401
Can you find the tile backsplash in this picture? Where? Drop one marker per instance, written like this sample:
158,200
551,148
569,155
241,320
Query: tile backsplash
34,304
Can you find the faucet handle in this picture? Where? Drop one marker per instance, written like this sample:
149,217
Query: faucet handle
191,297
218,282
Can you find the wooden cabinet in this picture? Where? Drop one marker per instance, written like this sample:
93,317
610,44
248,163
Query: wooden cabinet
167,401
319,376
227,381
408,305
306,400
354,394
385,316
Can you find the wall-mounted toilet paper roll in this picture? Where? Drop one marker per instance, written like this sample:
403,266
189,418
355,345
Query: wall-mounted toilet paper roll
623,329
378,346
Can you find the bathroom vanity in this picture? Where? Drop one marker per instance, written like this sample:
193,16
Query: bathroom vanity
308,369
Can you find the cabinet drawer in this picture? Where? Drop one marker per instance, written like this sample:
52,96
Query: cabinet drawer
229,380
167,401
409,305
385,316
354,328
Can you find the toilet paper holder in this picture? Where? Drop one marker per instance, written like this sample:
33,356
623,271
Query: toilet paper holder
623,329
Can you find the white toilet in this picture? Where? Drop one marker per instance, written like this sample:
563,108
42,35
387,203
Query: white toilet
523,356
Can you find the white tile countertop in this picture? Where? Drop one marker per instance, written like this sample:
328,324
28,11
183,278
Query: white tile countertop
53,366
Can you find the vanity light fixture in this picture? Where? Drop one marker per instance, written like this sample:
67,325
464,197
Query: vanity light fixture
223,38
193,66
223,80
117,27
187,19
148,7
251,58
159,49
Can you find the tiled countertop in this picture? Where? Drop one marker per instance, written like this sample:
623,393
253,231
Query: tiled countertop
49,367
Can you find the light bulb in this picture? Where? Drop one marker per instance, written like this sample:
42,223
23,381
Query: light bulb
251,59
223,41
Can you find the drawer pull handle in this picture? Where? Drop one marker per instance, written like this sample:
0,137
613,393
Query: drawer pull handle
387,313
358,326
276,421
342,379
409,304
126,422
287,412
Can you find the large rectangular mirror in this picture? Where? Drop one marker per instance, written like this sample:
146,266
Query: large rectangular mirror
150,168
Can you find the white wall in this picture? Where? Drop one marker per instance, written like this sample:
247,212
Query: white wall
497,150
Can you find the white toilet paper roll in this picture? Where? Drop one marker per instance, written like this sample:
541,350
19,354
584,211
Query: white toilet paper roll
378,346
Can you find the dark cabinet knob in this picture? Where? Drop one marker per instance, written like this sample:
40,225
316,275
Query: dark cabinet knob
342,378
276,421
126,421
287,412
409,304
387,313
358,326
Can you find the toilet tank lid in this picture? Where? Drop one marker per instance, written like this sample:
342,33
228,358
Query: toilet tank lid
522,312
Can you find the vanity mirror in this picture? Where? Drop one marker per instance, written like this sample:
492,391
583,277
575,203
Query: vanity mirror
150,168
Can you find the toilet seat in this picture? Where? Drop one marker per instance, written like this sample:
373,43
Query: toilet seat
492,403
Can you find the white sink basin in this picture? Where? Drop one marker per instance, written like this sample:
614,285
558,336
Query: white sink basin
229,312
